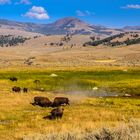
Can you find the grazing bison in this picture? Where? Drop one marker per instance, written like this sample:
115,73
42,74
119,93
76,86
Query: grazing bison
58,101
25,90
42,101
13,79
16,89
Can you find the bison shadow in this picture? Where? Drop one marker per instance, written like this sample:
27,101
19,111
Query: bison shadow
49,117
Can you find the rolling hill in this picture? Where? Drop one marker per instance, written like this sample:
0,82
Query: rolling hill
122,39
60,27
137,28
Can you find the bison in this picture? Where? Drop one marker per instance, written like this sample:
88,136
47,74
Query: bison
42,101
56,113
25,90
13,79
58,101
16,89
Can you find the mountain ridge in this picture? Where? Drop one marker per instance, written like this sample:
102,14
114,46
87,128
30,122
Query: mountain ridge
132,28
67,25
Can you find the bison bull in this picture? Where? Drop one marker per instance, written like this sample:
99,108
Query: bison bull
58,101
42,101
57,113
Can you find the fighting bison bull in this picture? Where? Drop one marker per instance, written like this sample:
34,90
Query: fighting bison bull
58,101
42,101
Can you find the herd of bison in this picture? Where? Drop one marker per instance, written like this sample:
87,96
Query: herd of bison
55,113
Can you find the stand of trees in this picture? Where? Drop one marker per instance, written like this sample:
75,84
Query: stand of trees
132,41
10,40
107,41
104,41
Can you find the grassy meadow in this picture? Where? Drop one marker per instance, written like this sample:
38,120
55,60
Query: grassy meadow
86,115
119,81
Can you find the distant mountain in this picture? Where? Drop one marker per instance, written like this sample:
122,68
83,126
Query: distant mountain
63,26
131,28
8,24
73,26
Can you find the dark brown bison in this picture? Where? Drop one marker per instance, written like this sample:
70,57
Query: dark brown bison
58,101
56,113
42,101
16,89
25,90
13,79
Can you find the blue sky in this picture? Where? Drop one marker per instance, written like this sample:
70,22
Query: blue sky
111,13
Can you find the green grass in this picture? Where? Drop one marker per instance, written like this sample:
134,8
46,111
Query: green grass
18,118
111,81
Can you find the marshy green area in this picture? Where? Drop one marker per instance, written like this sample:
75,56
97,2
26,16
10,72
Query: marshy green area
118,81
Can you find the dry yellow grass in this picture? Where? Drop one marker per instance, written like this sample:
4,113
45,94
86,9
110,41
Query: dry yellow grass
19,118
65,56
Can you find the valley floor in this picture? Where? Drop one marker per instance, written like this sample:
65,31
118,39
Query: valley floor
86,116
39,53
102,83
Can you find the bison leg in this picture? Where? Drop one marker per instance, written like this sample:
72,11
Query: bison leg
60,116
33,104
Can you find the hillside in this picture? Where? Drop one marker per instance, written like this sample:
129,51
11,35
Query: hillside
76,26
121,49
132,28
60,27
39,52
17,32
122,39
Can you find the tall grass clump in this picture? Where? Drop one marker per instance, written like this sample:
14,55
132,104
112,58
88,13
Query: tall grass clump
130,131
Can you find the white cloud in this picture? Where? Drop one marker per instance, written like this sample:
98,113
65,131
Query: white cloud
5,2
23,2
84,13
37,13
80,13
132,6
